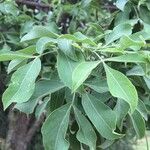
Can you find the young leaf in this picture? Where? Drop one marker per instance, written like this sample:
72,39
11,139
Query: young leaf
138,124
54,129
120,86
102,117
86,133
81,72
22,83
37,32
43,42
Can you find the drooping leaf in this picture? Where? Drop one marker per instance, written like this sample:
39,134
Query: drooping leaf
98,85
41,107
136,71
43,42
57,99
81,72
38,32
86,133
121,109
42,88
22,83
54,129
65,68
102,117
66,47
141,108
120,86
138,124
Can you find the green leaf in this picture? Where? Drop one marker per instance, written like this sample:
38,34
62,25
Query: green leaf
127,42
119,31
65,68
136,71
99,85
54,129
43,43
85,3
22,83
41,107
15,64
133,58
102,117
79,38
141,108
57,99
138,124
6,56
86,133
66,47
28,50
121,109
38,32
81,72
121,3
120,86
112,50
42,88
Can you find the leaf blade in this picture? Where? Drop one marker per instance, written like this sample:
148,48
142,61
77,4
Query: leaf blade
54,130
120,86
22,83
99,114
81,72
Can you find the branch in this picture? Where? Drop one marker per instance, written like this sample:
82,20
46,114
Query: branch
33,4
34,128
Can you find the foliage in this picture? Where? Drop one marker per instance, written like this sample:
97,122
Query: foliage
86,68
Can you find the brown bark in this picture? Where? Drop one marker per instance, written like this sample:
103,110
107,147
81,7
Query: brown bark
21,130
33,5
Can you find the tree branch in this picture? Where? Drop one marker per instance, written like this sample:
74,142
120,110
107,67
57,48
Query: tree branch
33,4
